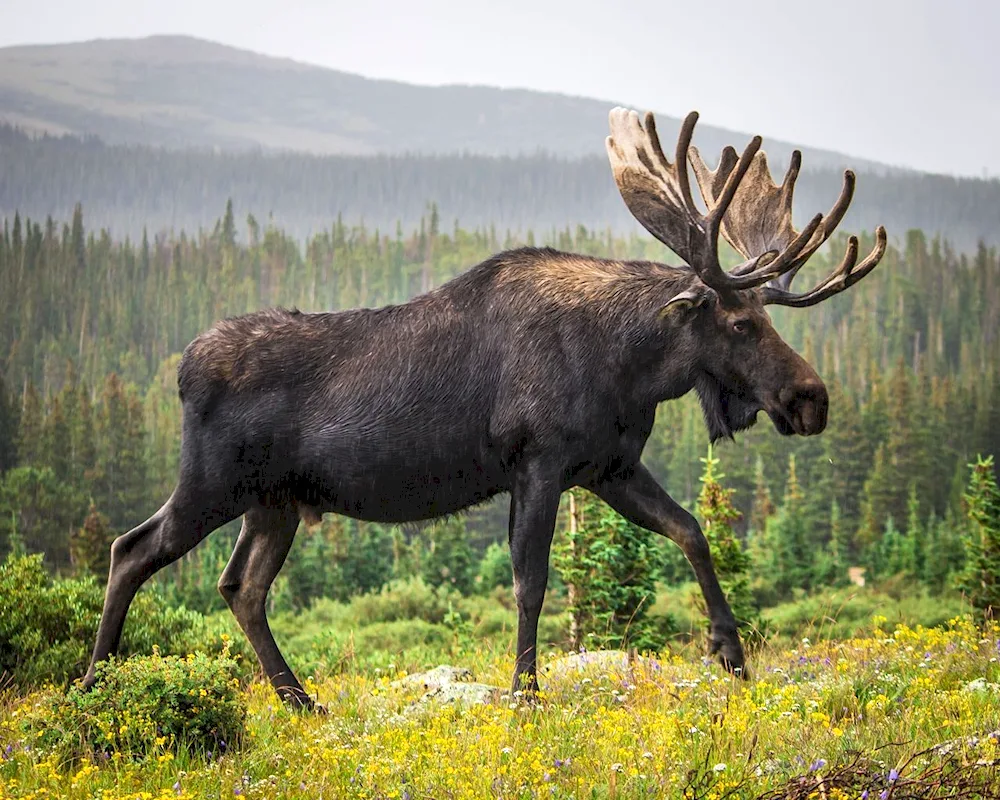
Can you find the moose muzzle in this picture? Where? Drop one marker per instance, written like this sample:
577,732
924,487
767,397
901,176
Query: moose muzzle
800,408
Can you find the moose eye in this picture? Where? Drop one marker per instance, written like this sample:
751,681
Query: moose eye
742,327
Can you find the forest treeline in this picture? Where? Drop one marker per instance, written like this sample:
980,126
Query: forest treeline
91,328
127,188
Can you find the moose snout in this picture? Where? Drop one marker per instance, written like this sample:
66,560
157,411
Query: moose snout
805,405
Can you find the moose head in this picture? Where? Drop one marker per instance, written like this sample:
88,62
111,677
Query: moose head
741,366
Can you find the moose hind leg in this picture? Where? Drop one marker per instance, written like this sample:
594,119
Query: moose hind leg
260,551
136,556
533,508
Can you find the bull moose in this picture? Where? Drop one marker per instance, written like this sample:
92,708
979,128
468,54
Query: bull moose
532,372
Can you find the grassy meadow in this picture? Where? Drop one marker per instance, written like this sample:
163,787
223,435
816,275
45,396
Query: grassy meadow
893,710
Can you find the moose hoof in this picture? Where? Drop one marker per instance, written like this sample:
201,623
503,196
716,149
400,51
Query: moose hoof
729,650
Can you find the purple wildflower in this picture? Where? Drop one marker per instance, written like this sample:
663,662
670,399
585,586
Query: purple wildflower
818,764
177,787
237,791
883,794
864,795
893,775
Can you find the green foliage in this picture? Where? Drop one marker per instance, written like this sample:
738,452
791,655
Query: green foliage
90,545
790,563
39,509
846,612
448,559
495,568
913,379
606,564
732,564
981,578
144,705
47,625
119,477
9,413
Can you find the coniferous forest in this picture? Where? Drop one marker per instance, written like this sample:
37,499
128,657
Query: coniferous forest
91,328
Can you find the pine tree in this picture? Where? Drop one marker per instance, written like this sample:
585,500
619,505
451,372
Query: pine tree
495,568
789,537
55,436
732,564
763,507
833,560
8,429
890,550
605,563
877,501
311,571
981,578
449,559
90,545
29,438
914,559
120,476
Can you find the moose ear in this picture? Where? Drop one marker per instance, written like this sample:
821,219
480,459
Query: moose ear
683,302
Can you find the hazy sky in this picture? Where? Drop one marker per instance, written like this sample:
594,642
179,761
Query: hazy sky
909,82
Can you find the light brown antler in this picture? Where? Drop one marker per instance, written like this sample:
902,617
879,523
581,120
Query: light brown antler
753,214
658,193
759,219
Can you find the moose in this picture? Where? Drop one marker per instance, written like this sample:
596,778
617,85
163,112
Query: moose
531,373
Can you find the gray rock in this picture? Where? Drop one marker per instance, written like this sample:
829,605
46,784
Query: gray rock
447,684
434,678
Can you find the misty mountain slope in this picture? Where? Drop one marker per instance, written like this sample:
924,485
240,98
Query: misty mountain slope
179,91
127,188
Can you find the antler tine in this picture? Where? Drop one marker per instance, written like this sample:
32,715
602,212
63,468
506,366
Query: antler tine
759,220
830,222
659,196
744,205
843,277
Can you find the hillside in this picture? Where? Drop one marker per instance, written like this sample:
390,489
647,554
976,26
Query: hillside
128,188
179,91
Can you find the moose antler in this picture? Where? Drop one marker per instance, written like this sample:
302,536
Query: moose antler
759,219
753,214
658,194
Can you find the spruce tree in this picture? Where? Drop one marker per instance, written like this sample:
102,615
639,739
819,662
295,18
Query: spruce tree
30,444
981,578
449,560
914,558
8,428
606,565
763,506
732,564
790,539
90,545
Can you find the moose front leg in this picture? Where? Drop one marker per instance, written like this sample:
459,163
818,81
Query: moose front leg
534,503
641,500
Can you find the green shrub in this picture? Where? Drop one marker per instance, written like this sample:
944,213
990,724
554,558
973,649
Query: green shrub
403,599
495,568
143,705
47,626
847,612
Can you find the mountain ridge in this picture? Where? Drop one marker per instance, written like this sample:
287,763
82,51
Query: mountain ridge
180,91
